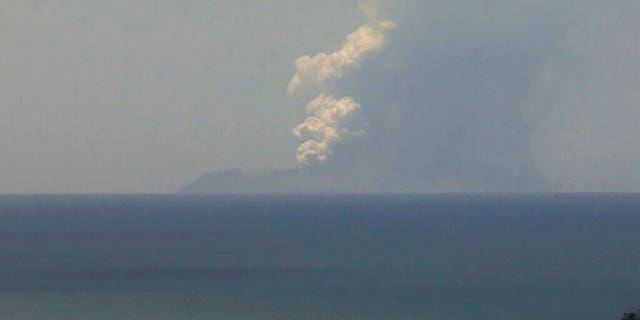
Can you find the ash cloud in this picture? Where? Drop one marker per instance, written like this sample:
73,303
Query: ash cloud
498,96
444,99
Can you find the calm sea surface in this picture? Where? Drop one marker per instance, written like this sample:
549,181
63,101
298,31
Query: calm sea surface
319,257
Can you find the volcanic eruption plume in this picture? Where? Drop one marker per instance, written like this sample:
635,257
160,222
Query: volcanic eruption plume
325,124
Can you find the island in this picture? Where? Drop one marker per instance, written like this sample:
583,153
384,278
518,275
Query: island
271,181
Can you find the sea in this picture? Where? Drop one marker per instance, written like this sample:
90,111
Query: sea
391,257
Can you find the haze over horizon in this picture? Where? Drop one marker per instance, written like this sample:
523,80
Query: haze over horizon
145,97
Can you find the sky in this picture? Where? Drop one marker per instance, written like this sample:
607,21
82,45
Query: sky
409,95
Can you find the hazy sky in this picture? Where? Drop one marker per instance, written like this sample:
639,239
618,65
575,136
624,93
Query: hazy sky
144,96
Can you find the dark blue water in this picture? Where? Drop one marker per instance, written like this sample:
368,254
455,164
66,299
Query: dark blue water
319,257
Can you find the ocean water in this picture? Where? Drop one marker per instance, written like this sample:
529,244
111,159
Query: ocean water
389,257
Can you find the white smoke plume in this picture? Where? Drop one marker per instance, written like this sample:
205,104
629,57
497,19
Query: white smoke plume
324,127
315,71
327,115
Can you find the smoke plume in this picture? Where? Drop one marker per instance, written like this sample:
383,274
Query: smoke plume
317,70
325,124
324,127
498,96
